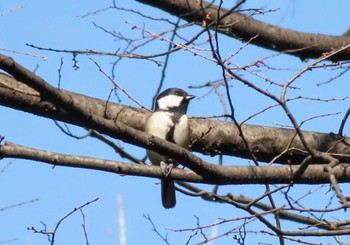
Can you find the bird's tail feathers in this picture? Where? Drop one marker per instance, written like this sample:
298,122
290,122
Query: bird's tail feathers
168,193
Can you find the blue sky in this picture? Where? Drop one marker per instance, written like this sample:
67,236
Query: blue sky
59,24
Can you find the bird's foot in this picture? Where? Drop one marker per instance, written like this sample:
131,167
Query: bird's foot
166,168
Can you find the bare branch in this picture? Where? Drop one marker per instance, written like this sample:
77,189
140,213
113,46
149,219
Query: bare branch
18,204
314,174
52,234
154,228
11,11
94,52
243,27
208,137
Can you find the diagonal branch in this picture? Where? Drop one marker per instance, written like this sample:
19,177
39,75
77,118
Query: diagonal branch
242,27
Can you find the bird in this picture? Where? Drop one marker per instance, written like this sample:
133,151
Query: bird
169,122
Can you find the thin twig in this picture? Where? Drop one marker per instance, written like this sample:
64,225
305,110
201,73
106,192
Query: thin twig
118,86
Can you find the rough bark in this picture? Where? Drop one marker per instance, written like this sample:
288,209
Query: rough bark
242,27
208,137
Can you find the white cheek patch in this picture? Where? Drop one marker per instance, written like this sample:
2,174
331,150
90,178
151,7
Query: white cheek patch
169,101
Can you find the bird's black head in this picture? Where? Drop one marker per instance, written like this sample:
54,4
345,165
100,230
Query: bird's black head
173,99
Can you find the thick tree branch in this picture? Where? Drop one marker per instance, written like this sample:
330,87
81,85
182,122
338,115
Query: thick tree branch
116,129
314,174
242,27
208,137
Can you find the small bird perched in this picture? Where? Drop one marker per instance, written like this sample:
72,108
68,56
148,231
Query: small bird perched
169,122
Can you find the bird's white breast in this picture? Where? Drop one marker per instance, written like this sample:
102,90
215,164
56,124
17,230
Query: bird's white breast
182,132
159,124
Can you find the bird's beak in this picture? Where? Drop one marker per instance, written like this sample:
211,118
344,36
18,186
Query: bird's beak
189,97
